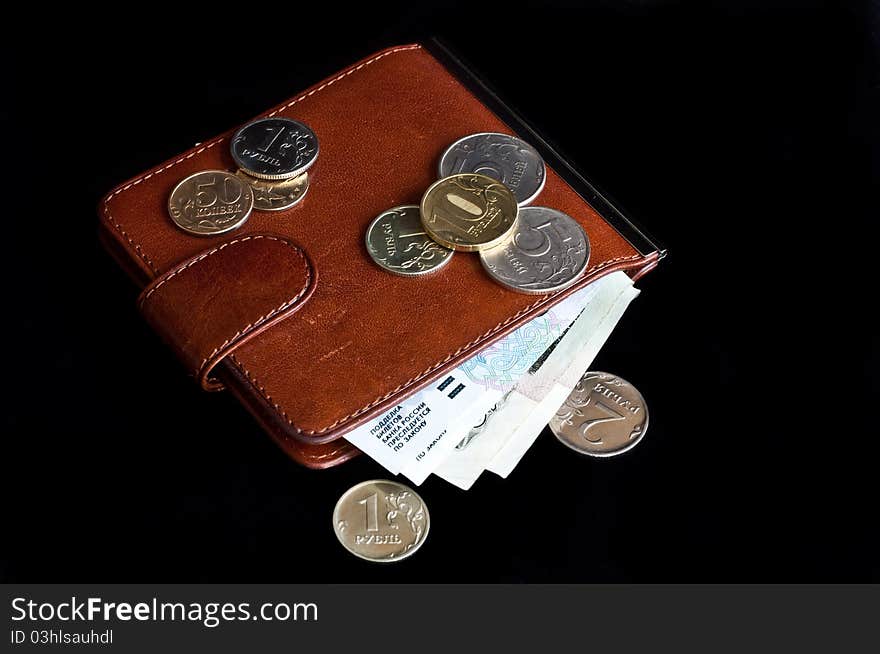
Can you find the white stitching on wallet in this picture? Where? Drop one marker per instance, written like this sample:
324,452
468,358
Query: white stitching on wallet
313,432
260,388
143,255
259,321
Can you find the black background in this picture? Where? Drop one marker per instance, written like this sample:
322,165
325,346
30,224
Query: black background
741,134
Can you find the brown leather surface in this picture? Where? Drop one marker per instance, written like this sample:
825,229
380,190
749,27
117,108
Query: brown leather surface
214,302
313,455
365,339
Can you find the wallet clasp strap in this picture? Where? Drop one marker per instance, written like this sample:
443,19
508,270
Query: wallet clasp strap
212,303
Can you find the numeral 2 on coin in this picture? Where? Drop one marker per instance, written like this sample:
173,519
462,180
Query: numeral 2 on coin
586,424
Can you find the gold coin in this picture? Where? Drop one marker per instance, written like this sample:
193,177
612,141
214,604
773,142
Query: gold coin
276,195
210,202
468,212
381,521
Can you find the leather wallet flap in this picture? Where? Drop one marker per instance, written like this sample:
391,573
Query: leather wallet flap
210,304
366,339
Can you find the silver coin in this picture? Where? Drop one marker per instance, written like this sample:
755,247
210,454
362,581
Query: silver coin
210,202
381,521
507,159
603,416
397,242
547,251
274,148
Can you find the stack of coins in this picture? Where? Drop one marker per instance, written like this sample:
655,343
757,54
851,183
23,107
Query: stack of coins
273,156
479,205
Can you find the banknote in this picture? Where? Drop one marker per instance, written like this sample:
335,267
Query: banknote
499,426
538,398
496,370
415,437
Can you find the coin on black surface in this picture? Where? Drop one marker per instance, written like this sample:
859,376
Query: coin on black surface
397,242
603,416
508,159
210,202
276,194
468,212
547,251
274,148
381,521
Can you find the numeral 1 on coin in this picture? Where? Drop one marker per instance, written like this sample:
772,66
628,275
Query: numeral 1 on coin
372,506
278,132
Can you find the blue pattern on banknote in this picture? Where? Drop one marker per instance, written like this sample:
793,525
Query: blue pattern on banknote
500,366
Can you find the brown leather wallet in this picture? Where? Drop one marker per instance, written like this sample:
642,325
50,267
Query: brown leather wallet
289,313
